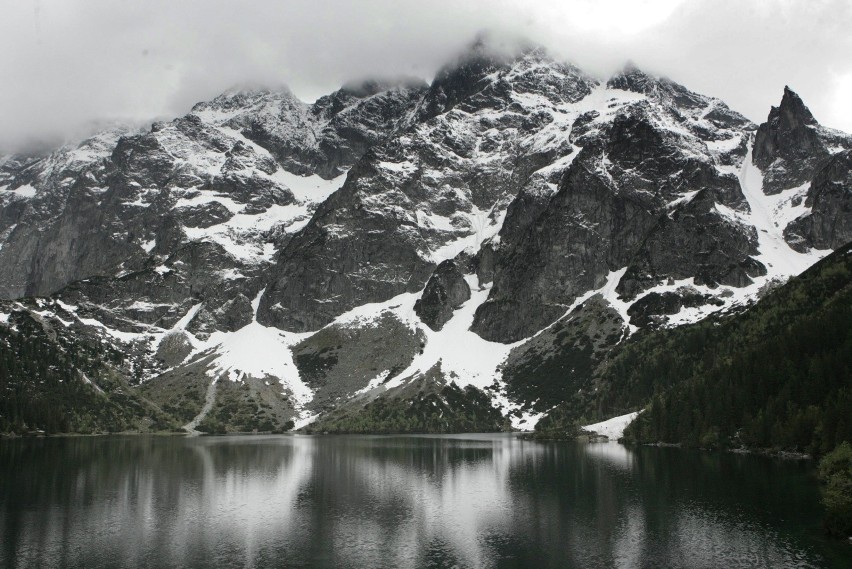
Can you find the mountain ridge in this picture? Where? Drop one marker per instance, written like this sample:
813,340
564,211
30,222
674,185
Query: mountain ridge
257,224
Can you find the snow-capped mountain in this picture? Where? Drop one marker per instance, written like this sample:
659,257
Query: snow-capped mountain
512,220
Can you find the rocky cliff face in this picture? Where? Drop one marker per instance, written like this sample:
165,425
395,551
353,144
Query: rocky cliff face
647,177
325,138
511,220
431,192
828,223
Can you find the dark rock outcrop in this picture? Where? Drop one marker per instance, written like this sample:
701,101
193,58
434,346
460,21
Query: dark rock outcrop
445,291
644,312
205,215
174,348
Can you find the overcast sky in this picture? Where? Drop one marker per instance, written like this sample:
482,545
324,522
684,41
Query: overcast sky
66,62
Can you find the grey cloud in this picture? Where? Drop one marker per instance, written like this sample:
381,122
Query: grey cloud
66,63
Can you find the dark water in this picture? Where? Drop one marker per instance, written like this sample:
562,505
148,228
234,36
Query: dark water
465,501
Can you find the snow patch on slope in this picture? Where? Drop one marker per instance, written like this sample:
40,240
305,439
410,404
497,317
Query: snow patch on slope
242,236
309,189
258,351
611,296
187,318
483,225
464,356
612,428
26,191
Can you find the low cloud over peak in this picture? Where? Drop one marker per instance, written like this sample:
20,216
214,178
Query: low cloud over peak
81,61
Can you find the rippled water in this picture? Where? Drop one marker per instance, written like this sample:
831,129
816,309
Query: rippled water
442,501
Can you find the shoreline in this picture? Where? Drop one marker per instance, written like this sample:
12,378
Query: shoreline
583,438
767,452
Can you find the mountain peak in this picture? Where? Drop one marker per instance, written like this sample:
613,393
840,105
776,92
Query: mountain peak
244,95
353,92
631,78
792,113
465,74
790,135
368,87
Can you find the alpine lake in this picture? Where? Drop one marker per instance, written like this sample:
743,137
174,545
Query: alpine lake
490,500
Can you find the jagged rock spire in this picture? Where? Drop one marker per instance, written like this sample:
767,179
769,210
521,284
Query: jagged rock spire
789,133
793,113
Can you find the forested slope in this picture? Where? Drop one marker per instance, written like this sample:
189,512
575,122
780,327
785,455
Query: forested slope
777,375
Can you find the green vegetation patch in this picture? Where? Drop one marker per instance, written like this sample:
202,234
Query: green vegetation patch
558,363
428,404
247,406
59,383
835,470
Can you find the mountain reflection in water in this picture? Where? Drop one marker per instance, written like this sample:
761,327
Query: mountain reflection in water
413,501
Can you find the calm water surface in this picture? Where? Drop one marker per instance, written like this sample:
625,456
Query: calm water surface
442,501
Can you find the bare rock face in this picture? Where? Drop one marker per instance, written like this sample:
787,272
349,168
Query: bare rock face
638,197
829,223
437,182
445,291
39,260
693,241
53,231
347,255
